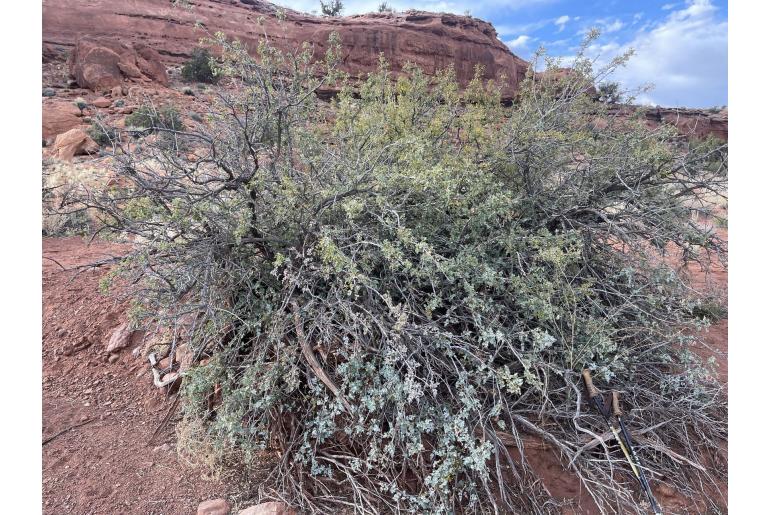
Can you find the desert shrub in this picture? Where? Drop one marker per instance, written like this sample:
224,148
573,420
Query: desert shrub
332,8
609,92
391,290
198,67
101,133
63,182
148,117
80,103
385,8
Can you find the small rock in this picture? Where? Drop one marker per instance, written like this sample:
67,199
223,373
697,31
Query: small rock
162,448
268,508
113,358
120,339
102,102
214,507
49,92
117,91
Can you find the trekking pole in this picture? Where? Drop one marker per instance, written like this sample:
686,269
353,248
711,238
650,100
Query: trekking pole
641,475
598,402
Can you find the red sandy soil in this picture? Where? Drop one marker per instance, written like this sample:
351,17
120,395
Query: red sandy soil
110,464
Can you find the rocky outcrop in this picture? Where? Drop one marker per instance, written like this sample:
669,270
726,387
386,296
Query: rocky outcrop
72,143
693,123
431,41
101,63
696,123
59,117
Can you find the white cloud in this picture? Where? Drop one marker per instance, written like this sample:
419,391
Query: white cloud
519,42
561,21
668,7
685,56
608,27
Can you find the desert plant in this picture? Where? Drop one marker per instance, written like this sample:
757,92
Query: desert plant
609,92
148,117
198,68
390,291
384,8
101,133
333,8
61,183
80,103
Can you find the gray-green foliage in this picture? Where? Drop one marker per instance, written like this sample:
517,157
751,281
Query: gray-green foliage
198,68
332,8
150,117
392,289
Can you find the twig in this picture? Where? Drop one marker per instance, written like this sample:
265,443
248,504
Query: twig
312,361
51,438
165,420
52,259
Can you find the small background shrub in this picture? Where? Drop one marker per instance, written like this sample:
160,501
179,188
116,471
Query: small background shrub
102,134
198,68
148,117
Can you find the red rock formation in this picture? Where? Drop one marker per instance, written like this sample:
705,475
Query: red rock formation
59,116
72,143
101,63
693,123
431,41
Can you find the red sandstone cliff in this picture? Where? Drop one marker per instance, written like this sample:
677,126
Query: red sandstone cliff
432,41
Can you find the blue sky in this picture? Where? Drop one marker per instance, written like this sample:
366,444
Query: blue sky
680,46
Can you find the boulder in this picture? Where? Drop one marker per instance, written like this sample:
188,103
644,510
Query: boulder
268,508
102,102
102,63
59,117
72,143
120,339
214,507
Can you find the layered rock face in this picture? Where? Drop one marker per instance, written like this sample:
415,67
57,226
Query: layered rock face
431,41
